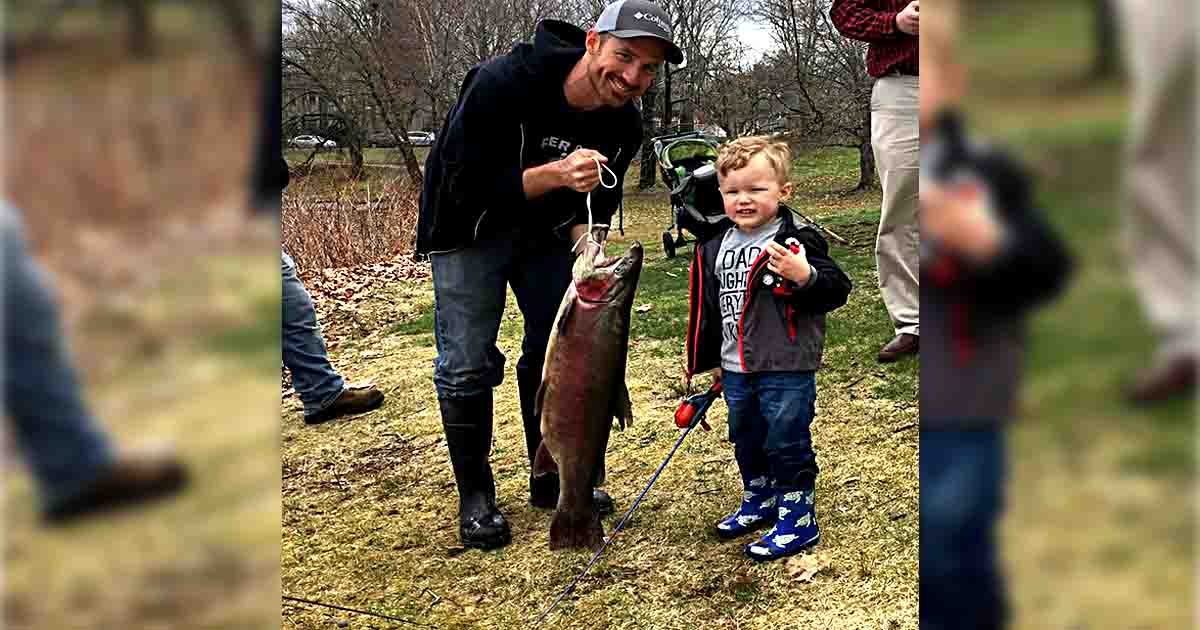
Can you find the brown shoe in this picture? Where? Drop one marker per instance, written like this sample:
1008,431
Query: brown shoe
352,400
133,478
899,347
1164,381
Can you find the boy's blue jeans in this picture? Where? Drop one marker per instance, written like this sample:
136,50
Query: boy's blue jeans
52,425
469,294
962,488
770,421
316,382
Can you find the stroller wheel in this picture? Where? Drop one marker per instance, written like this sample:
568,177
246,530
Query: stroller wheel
668,245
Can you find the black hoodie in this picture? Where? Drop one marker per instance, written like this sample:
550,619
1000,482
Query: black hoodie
511,115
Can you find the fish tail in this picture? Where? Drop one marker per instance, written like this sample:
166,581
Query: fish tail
576,530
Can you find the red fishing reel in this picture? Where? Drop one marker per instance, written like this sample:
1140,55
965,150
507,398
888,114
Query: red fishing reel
693,408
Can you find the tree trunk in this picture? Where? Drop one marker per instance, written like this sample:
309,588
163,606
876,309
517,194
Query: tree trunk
866,166
1104,61
649,172
667,113
141,42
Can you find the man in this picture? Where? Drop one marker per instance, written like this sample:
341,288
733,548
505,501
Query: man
75,468
890,29
1160,222
507,189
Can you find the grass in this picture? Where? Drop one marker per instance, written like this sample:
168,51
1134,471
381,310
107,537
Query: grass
369,505
1088,542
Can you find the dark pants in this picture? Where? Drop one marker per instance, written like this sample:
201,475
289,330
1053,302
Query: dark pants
770,420
962,479
469,295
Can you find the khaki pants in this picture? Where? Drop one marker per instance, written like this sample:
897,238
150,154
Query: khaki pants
896,140
1160,196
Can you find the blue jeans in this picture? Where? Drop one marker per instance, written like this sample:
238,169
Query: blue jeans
52,425
962,479
469,295
770,422
316,382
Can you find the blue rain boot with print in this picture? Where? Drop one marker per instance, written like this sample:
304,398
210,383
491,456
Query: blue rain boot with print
795,527
756,512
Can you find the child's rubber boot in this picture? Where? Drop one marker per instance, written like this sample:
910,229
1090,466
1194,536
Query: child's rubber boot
795,527
756,511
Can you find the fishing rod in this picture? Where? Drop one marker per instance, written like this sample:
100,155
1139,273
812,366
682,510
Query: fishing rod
689,414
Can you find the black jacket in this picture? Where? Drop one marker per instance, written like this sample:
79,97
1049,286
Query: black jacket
782,326
512,115
972,316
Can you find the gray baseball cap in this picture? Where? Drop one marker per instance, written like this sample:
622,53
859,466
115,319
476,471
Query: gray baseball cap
639,18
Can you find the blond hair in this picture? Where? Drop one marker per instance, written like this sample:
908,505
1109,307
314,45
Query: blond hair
738,153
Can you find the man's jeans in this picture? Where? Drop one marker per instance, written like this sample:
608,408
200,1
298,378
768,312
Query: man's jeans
770,421
962,479
316,382
469,291
52,425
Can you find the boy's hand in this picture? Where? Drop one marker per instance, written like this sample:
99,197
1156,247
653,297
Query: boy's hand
578,171
716,375
909,19
958,219
794,267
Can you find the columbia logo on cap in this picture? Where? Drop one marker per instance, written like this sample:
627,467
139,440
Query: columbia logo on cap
649,17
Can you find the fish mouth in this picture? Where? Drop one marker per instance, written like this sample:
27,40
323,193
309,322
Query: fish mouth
611,275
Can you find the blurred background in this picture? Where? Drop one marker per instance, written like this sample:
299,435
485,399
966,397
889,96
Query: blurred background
131,127
1100,526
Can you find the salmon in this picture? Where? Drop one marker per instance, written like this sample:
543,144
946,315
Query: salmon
583,389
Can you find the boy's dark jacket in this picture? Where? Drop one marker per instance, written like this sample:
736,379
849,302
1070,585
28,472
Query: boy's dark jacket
972,316
511,115
780,330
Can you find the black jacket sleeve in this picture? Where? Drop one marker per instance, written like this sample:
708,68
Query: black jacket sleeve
831,288
1033,264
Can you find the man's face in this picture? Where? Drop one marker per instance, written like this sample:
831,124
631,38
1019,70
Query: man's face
622,69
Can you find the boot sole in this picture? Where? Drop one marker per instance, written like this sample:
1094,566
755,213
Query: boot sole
787,554
488,544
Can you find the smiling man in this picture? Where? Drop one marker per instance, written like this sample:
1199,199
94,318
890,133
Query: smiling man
505,198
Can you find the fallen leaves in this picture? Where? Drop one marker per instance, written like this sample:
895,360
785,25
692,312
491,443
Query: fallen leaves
643,308
805,567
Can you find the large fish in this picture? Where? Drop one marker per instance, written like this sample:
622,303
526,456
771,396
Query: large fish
583,389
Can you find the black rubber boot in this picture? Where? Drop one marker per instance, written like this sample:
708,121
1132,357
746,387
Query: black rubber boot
543,491
468,426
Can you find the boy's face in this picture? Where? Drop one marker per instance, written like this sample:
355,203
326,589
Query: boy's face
752,193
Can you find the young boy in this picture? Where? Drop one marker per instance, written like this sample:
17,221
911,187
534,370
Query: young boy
988,258
758,298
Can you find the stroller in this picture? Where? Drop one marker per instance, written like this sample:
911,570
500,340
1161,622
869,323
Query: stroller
688,165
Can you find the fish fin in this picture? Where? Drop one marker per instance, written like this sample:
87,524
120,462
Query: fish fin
576,530
541,395
623,408
543,461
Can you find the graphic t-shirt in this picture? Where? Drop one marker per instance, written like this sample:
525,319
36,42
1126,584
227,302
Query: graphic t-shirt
737,254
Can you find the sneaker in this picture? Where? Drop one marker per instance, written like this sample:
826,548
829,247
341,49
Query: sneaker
756,511
795,527
352,400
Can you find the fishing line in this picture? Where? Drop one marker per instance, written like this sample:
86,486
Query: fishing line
353,610
600,168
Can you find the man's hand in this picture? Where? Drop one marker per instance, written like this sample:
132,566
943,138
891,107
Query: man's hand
908,19
794,267
959,219
578,171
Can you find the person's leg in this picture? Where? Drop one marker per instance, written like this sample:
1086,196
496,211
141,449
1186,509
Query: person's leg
962,478
74,466
539,277
747,432
895,140
316,382
1160,189
52,424
469,294
787,401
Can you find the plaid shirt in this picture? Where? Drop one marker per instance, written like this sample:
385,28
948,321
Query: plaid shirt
874,22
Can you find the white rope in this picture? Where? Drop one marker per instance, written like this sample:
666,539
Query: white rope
600,168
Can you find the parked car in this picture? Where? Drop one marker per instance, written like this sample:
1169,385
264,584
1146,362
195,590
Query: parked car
306,141
382,139
421,138
330,144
